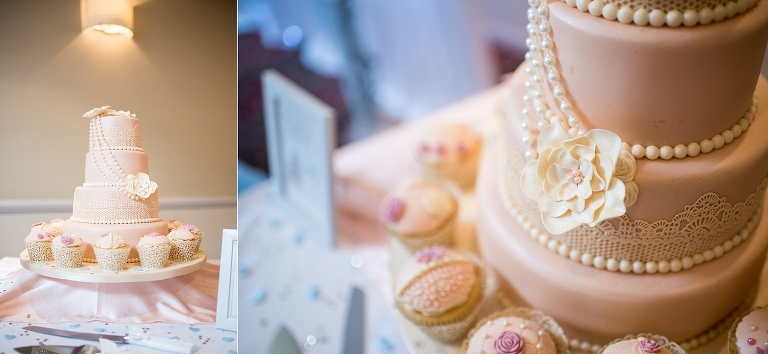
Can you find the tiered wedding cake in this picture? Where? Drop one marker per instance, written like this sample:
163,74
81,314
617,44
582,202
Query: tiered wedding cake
628,192
117,196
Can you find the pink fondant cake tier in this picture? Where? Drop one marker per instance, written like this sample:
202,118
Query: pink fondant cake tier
733,171
131,233
657,85
599,305
131,163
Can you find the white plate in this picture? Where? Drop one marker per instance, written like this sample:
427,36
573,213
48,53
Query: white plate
133,272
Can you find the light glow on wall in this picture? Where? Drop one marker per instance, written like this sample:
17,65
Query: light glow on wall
108,16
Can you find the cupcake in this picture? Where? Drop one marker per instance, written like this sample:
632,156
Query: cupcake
195,231
174,224
58,225
516,331
39,245
153,250
450,152
642,344
184,245
440,291
68,251
419,214
111,252
749,334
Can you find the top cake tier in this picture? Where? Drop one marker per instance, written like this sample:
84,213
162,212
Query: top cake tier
115,133
652,85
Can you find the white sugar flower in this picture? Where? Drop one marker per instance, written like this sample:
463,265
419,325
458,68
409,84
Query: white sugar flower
573,179
140,185
96,112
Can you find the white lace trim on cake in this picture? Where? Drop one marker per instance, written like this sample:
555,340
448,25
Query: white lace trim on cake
704,231
671,13
116,137
115,210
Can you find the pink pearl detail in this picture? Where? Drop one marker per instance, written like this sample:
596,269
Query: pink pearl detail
751,341
440,149
576,177
424,147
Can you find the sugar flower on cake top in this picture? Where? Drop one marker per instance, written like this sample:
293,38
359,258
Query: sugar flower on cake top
574,179
140,185
110,240
106,111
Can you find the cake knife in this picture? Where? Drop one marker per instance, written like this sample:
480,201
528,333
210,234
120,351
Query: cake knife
353,334
136,337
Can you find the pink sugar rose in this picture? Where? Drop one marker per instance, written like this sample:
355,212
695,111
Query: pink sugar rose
509,343
67,240
154,234
430,254
392,210
649,346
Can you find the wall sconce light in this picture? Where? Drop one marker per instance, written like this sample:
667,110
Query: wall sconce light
109,16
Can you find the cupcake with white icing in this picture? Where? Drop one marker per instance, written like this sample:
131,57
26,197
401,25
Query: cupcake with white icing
440,290
516,331
184,245
154,250
749,334
195,231
111,252
38,244
68,251
420,213
450,152
644,343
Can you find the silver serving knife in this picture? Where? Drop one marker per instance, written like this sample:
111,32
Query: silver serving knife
135,337
283,343
353,333
59,349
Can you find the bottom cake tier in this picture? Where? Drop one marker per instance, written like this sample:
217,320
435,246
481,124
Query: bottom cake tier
599,305
131,233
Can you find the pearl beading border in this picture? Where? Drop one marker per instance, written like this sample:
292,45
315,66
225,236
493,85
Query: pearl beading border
680,151
540,46
131,221
623,265
93,260
105,184
658,18
129,148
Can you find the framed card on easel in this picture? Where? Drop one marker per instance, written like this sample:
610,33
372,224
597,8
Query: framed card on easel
301,137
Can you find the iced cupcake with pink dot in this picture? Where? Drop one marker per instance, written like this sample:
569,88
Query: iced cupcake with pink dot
450,152
749,334
154,250
516,331
111,252
184,245
38,243
68,251
195,231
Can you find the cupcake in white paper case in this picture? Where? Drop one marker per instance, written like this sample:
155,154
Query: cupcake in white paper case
749,333
184,245
154,250
38,244
195,231
644,343
68,251
516,331
111,252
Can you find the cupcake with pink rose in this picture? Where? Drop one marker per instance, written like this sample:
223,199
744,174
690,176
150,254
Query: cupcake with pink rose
184,245
440,291
174,224
154,250
195,231
58,225
68,251
516,331
38,244
644,343
111,252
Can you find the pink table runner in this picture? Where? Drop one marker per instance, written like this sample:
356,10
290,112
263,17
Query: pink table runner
188,299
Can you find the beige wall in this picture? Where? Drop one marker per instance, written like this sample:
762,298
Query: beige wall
178,74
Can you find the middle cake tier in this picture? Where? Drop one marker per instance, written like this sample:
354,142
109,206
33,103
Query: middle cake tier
686,210
110,205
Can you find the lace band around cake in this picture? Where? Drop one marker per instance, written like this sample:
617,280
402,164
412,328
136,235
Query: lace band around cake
114,137
115,210
705,230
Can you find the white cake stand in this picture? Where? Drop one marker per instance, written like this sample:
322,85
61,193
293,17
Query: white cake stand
133,272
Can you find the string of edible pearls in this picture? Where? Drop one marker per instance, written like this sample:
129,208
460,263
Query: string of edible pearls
101,146
658,18
128,148
108,184
128,221
623,265
680,151
540,55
